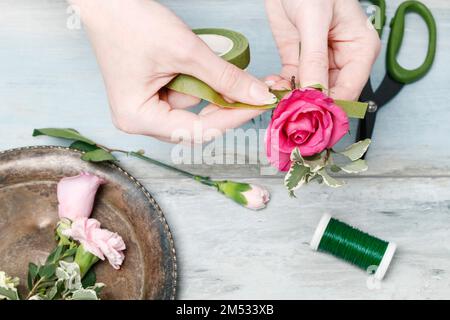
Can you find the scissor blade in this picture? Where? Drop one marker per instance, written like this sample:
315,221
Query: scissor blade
367,93
366,126
387,90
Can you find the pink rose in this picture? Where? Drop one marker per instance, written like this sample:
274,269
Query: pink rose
307,119
257,197
100,242
76,195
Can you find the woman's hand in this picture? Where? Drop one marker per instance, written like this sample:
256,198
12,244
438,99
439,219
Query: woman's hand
141,46
338,44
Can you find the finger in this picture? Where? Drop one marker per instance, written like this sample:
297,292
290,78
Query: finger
286,37
179,100
158,119
226,78
313,22
208,109
181,125
332,77
282,85
271,80
351,79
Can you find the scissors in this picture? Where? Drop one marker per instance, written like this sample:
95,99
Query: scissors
396,76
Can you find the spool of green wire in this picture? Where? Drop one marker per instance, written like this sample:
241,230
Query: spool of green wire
353,245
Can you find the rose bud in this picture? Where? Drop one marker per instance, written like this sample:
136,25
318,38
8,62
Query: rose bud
248,195
76,195
306,119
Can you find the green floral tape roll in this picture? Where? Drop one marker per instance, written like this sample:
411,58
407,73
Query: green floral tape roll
230,45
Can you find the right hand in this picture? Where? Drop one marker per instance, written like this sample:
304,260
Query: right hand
141,46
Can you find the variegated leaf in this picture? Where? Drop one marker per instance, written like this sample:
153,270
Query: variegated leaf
356,150
328,180
355,166
296,177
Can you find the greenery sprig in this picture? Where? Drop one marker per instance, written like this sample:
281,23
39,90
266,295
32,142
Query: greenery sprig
320,166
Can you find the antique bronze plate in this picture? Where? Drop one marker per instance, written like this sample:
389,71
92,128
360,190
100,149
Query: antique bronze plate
28,214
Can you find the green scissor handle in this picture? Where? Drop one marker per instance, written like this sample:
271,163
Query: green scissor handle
396,71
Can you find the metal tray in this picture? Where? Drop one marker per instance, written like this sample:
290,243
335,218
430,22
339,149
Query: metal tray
28,214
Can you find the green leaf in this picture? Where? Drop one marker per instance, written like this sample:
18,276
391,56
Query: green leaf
296,177
319,87
355,166
84,294
83,146
316,162
98,155
89,279
32,273
47,271
280,93
356,150
335,168
55,255
10,294
70,252
353,109
65,133
52,292
296,156
328,180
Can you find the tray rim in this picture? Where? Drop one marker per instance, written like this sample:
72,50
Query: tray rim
146,193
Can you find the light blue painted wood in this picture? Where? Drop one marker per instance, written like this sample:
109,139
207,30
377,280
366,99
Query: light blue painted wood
49,77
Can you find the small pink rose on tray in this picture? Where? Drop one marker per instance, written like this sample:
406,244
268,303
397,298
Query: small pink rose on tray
76,195
67,273
304,128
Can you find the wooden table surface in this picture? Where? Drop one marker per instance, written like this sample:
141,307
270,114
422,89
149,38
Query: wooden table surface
49,77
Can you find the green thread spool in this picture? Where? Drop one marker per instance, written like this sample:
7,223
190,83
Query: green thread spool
353,245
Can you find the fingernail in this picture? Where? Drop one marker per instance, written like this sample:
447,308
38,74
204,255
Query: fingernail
261,94
269,82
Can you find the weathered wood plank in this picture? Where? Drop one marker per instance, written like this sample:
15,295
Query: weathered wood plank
229,252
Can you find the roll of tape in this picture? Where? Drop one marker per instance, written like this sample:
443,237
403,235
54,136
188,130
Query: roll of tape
231,46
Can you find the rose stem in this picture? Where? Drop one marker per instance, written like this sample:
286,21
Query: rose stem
201,179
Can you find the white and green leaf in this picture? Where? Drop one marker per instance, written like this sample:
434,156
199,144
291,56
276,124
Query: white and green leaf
8,287
8,293
84,294
357,166
356,150
296,177
296,156
316,162
329,180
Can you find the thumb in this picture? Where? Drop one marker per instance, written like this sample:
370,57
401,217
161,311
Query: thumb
313,23
228,79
